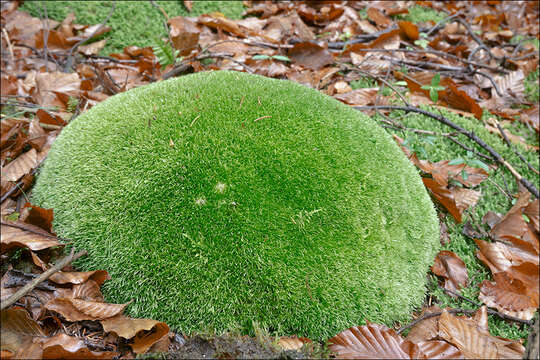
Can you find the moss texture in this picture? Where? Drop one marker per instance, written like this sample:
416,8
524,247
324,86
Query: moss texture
132,22
219,200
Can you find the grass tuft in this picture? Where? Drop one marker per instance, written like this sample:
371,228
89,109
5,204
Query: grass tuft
307,221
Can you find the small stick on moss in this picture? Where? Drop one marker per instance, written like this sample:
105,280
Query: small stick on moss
47,274
490,311
262,117
471,135
193,122
501,130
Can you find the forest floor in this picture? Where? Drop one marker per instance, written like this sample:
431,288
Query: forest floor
455,84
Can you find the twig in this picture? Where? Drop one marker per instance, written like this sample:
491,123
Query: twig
83,41
490,311
262,117
455,311
378,79
443,21
47,274
436,52
471,135
10,47
501,130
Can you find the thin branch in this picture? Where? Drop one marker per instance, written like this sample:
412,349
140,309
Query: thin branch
471,135
501,130
44,276
490,311
83,41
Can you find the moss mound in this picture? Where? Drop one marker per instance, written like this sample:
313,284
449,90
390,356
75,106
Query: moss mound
222,200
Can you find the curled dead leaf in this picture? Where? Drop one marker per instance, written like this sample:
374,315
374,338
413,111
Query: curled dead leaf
449,266
144,332
78,310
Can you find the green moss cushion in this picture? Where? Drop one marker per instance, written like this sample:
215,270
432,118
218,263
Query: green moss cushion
221,200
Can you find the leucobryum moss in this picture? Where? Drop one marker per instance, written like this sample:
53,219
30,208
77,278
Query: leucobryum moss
219,200
132,22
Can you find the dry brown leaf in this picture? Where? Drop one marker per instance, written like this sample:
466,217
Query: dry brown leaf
63,346
409,30
310,55
444,196
93,48
38,216
465,198
448,265
509,296
78,310
184,34
144,332
22,165
25,235
475,343
359,97
17,331
437,349
426,330
49,83
378,17
372,341
37,137
292,342
99,276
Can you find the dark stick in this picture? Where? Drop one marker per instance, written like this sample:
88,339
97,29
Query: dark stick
513,148
44,276
471,135
490,311
83,41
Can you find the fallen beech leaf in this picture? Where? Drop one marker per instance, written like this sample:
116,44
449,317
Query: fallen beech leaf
510,85
445,197
33,238
48,83
341,87
359,97
449,266
184,34
89,291
427,329
144,332
509,296
37,137
465,198
63,346
437,349
409,30
372,341
38,216
99,276
77,310
292,342
378,17
93,30
476,344
310,55
22,165
93,48
458,99
500,256
17,330
387,40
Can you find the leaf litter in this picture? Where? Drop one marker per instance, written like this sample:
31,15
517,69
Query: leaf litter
480,69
